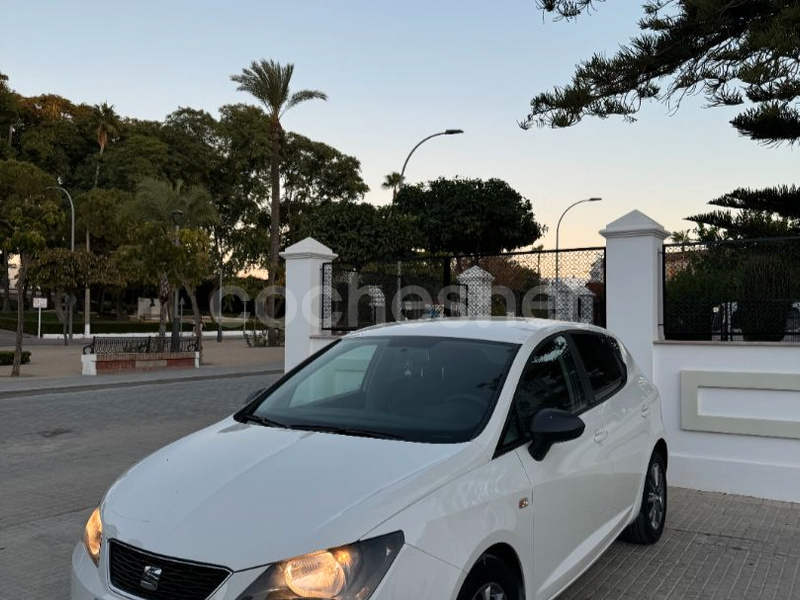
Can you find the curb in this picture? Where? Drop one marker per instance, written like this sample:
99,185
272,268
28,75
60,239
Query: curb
61,387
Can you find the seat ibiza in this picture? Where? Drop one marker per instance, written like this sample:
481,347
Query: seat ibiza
446,459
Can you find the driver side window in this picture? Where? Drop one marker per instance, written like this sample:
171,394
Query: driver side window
550,380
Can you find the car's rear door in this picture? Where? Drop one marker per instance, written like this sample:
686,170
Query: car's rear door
624,409
570,496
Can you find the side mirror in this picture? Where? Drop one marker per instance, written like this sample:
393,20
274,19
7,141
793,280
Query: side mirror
550,426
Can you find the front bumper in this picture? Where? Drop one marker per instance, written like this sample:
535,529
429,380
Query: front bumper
414,574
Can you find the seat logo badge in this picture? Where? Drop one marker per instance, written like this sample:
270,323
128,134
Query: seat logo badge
150,578
523,503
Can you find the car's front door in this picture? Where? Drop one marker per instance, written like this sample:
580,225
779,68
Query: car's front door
570,485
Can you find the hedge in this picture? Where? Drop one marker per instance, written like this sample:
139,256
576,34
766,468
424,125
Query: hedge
99,328
7,357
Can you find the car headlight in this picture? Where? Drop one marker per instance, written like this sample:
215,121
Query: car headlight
345,573
92,536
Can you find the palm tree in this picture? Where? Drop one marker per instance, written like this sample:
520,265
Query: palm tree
108,128
683,238
268,82
392,182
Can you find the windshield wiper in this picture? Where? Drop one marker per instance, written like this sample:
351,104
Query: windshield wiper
380,435
263,421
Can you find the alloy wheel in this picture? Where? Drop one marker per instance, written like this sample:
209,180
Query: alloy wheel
490,591
656,495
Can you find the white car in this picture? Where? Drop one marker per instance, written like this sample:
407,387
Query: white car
441,459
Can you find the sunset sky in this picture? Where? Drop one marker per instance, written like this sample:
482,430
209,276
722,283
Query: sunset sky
395,73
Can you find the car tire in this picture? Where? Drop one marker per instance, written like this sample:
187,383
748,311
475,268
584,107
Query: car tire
490,579
649,523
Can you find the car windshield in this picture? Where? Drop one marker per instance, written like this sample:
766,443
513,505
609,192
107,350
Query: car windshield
414,388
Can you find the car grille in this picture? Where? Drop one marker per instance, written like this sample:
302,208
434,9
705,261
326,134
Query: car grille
179,580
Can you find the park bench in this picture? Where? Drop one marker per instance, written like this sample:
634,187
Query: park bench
108,354
120,345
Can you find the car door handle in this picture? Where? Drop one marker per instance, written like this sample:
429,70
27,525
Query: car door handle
599,436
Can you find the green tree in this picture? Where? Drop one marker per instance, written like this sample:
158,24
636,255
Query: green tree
152,246
8,119
268,82
731,52
740,53
9,111
315,173
29,214
361,232
771,212
470,216
138,154
242,236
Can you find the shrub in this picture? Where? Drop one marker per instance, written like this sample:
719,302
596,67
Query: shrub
7,357
765,298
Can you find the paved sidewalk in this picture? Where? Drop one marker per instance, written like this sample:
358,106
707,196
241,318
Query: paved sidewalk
715,547
55,366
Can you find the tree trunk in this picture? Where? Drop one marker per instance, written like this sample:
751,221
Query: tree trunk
119,300
97,169
6,284
197,317
163,298
87,300
58,298
23,265
274,228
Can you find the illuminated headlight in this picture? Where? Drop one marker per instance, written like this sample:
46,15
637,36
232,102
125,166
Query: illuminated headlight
92,536
346,573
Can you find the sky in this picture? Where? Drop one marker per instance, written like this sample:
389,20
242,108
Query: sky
395,73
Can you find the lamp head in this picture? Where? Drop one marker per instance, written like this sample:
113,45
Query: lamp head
453,131
595,199
177,216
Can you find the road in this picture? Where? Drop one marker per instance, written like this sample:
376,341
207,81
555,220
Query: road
60,452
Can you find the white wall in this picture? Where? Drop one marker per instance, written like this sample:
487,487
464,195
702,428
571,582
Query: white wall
753,465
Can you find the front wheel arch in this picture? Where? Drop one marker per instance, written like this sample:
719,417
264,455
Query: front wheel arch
661,448
506,555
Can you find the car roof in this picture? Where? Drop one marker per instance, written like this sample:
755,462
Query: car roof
516,330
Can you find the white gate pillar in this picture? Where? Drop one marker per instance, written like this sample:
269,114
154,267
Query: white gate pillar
304,262
634,294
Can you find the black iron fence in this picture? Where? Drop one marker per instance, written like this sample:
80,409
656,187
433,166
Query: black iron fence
567,285
743,290
119,344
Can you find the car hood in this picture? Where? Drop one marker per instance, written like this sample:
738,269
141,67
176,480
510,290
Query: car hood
243,495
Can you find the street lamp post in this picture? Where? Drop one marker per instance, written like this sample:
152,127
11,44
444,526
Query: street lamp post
402,172
446,270
177,215
558,227
72,249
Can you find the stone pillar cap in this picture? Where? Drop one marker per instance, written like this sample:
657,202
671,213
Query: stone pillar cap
634,224
308,248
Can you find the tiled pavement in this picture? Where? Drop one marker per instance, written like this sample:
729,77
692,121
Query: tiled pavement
715,547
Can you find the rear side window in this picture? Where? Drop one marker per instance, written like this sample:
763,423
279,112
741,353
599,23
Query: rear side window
603,363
